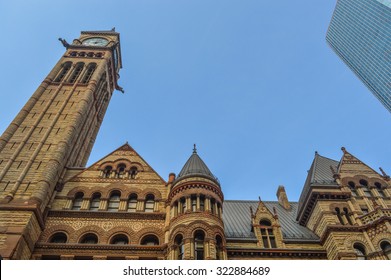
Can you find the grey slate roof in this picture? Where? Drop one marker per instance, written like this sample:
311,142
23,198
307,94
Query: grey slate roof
237,220
195,166
319,174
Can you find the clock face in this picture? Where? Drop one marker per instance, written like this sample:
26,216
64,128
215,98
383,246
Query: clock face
96,41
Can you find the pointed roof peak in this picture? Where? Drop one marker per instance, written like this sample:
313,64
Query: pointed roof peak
195,166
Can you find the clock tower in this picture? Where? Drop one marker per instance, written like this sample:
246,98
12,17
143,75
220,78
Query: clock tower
55,129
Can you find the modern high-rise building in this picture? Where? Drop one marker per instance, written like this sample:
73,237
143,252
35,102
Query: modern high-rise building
360,33
53,207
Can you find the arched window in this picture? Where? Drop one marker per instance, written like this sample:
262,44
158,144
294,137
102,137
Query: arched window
380,189
149,203
150,240
193,203
199,237
77,201
386,248
179,250
59,237
366,190
132,203
76,72
121,170
359,249
89,238
268,239
114,200
133,172
63,72
219,248
120,239
95,202
90,70
107,172
352,187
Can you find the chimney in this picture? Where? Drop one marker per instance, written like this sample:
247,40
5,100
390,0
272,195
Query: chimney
282,198
171,177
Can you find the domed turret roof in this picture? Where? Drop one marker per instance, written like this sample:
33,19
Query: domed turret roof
194,167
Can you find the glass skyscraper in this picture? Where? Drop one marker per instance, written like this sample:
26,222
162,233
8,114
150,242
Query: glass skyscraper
360,33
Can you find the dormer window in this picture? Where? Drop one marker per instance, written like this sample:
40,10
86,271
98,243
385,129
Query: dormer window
267,235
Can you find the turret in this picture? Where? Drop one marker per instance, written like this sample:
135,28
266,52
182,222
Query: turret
196,229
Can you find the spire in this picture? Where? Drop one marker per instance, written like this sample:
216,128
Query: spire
195,166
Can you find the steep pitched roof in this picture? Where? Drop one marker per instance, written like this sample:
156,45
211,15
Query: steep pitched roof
195,166
320,173
237,221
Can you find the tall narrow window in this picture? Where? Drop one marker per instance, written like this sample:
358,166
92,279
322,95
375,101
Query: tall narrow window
149,203
77,201
132,203
380,189
76,72
199,238
339,216
90,70
114,202
346,212
366,190
121,171
193,203
267,234
63,72
182,205
179,250
202,203
359,249
352,187
212,205
386,248
94,206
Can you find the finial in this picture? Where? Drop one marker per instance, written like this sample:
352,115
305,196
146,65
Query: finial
113,29
343,149
259,198
316,152
195,149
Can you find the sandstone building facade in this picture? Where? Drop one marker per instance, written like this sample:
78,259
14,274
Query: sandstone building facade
53,207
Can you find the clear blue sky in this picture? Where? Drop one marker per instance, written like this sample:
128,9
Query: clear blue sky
252,83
